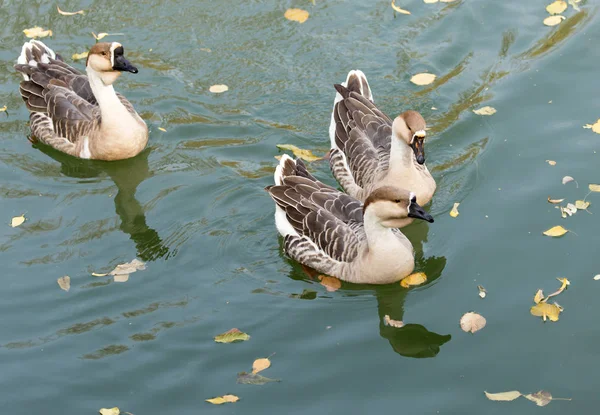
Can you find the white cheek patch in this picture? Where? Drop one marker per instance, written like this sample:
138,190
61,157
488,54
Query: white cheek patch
420,134
410,200
113,46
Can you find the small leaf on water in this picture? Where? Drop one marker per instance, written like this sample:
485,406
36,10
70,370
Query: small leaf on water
423,79
482,291
574,4
485,111
305,155
472,322
17,221
64,283
218,89
594,187
582,204
393,323
223,399
503,396
37,32
539,296
555,201
96,274
571,209
111,411
102,35
430,1
3,109
121,277
551,162
296,15
597,277
232,336
254,379
556,231
162,129
553,20
595,127
129,267
567,179
416,278
545,310
454,212
261,364
565,283
78,56
398,9
557,7
541,398
330,283
69,13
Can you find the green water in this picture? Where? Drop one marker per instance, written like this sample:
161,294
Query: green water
193,206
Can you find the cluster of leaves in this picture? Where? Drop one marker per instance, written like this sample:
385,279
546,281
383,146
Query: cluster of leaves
545,310
541,398
556,8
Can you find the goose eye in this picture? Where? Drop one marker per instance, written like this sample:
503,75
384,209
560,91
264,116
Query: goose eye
397,200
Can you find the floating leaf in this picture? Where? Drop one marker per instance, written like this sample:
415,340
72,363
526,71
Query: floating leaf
64,283
551,162
3,109
162,129
69,13
121,277
17,221
571,209
472,322
129,267
595,127
430,1
503,396
553,20
565,283
594,187
393,323
597,277
102,35
482,291
574,4
37,32
261,364
557,7
417,278
223,399
556,231
555,201
296,15
254,379
330,283
454,212
306,155
485,111
232,336
218,89
111,411
567,179
95,274
582,204
78,56
541,398
545,310
539,296
398,9
423,78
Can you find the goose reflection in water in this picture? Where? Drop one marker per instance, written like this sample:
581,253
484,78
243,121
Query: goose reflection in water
127,176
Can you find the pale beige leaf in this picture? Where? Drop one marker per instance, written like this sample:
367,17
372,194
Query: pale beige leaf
555,201
539,296
482,291
567,179
392,323
575,3
556,231
223,399
111,411
330,283
69,13
594,187
37,32
503,396
447,1
121,277
64,283
541,398
565,283
454,212
3,109
588,126
430,1
129,267
423,78
17,221
571,209
218,89
305,155
485,111
162,129
557,7
78,56
553,20
596,126
261,364
472,322
102,35
551,162
398,9
582,204
96,274
417,278
545,310
596,277
296,15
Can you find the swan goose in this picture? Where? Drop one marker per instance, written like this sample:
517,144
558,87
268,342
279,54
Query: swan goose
368,150
336,234
77,114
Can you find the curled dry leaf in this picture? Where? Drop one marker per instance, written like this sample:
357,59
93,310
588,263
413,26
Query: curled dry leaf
129,267
454,212
565,283
482,291
97,274
17,221
503,396
567,179
393,323
37,32
472,322
541,398
594,187
64,283
330,283
296,15
261,364
485,111
423,79
232,336
551,162
553,20
582,204
110,411
223,399
305,155
79,56
162,129
545,310
416,278
254,379
557,7
218,89
398,9
69,13
555,201
538,297
556,231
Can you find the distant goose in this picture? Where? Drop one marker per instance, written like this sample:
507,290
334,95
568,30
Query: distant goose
335,234
368,150
77,114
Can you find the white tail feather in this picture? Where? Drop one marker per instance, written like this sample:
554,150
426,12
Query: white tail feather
278,176
27,56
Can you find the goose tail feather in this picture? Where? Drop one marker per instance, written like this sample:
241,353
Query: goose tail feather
34,52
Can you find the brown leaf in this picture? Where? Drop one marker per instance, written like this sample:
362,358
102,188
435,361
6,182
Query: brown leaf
541,398
261,364
330,283
472,322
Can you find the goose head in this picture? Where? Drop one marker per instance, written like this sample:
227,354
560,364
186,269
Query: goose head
391,205
410,127
107,60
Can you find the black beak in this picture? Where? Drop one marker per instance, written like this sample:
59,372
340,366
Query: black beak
417,146
417,212
122,64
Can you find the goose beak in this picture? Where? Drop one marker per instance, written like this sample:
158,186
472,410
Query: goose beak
417,147
122,64
417,212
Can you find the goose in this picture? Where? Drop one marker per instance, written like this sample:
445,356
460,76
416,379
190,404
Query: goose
368,150
79,114
336,234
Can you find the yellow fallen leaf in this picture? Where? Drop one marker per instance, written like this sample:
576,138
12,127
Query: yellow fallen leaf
555,201
557,7
69,13
539,296
565,283
545,310
472,322
95,274
111,411
330,283
594,187
17,221
595,127
454,212
296,15
223,399
393,323
3,109
417,278
482,291
503,396
556,231
423,78
553,20
430,1
485,111
162,129
305,155
36,32
447,1
217,89
78,56
398,9
551,162
582,204
64,283
261,364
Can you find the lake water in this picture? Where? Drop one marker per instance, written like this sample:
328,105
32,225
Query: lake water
193,207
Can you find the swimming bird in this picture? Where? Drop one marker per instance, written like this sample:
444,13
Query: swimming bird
336,234
368,150
79,114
